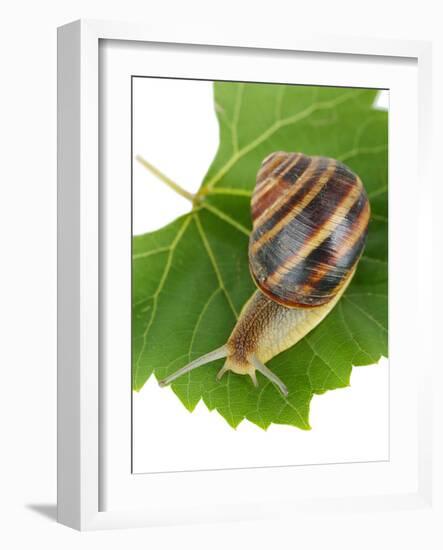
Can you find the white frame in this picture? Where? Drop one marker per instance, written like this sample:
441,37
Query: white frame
78,253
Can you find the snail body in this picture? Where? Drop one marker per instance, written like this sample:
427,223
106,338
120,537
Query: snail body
310,218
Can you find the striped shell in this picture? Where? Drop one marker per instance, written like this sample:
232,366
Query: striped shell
310,219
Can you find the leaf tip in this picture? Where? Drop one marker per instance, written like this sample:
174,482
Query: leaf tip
136,386
188,404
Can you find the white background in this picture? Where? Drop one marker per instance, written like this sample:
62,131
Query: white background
28,284
347,427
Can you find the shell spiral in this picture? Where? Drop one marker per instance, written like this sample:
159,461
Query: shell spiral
310,220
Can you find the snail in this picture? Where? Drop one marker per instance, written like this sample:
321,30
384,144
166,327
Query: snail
310,220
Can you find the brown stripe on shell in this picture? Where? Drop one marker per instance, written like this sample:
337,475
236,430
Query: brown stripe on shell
290,204
325,288
273,166
303,252
321,275
307,167
307,235
342,242
275,187
312,168
270,173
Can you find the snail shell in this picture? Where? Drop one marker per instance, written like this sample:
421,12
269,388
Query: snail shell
310,221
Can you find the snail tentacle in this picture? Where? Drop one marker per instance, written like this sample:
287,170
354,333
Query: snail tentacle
221,372
253,378
213,355
258,365
226,368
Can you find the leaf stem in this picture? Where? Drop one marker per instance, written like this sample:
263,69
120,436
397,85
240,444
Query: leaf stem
170,183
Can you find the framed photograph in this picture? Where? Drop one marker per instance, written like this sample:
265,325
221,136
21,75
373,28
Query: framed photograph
241,281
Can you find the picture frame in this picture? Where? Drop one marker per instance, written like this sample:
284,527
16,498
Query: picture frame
88,456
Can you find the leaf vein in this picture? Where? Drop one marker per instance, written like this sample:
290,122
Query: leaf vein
236,117
279,123
362,150
151,252
350,334
214,263
226,218
159,289
325,362
373,319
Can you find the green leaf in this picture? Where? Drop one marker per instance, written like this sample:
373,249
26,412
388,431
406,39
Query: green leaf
191,278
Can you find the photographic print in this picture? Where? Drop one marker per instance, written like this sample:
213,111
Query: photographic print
259,274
